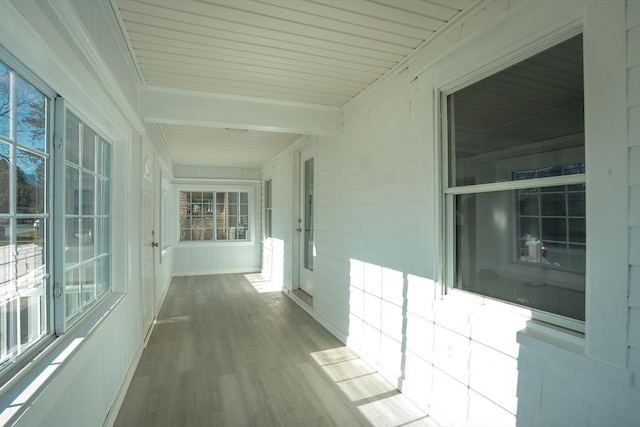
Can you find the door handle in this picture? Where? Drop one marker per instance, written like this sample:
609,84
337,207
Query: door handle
155,244
298,229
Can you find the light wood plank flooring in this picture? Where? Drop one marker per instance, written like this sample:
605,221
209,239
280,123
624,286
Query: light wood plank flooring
226,353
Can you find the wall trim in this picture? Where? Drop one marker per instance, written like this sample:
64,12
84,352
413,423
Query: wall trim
69,18
211,272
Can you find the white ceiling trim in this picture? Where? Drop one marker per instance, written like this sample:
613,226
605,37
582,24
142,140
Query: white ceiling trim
191,108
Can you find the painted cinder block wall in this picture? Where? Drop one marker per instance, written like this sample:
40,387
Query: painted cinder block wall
464,360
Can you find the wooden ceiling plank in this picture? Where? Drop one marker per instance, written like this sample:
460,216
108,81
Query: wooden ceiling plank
253,76
318,48
155,35
156,57
250,25
432,10
213,52
293,19
385,12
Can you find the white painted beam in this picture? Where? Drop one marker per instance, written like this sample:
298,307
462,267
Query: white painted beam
192,108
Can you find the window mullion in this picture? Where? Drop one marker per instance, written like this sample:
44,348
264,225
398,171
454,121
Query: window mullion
59,223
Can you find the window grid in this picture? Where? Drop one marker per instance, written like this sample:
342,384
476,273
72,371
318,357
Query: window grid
24,219
214,216
87,218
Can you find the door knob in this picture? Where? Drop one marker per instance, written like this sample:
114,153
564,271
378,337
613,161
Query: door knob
155,244
298,229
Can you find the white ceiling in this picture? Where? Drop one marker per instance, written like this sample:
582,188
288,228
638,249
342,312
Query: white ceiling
309,51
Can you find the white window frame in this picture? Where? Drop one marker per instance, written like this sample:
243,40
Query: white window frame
250,190
531,29
61,323
268,208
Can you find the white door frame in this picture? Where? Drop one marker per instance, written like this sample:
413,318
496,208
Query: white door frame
302,278
149,251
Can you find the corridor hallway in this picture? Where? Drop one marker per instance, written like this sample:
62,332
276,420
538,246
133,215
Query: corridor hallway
228,351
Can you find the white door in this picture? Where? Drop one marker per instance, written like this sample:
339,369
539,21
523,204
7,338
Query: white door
148,238
307,221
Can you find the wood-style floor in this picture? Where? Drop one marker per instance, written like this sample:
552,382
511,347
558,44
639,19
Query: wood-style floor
226,353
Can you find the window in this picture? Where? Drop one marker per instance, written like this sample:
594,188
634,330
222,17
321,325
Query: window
214,215
42,239
267,208
86,246
24,216
515,191
164,209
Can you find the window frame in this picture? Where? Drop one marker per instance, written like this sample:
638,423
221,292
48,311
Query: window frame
213,188
62,324
16,363
268,208
448,189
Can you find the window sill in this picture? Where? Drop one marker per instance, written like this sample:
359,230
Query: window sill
569,347
25,387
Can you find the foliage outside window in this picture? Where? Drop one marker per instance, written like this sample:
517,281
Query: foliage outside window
516,138
24,216
212,215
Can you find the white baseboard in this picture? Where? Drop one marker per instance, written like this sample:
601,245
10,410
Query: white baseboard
206,273
122,392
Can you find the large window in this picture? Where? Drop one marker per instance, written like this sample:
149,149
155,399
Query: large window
515,191
214,215
43,240
87,224
24,216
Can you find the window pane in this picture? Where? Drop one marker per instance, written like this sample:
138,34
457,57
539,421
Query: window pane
72,292
553,204
554,229
72,243
577,230
5,97
87,195
5,177
72,191
528,204
89,149
102,275
72,139
31,115
30,186
486,262
577,204
513,121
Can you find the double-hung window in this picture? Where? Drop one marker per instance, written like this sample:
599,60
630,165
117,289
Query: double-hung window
515,185
55,253
268,196
214,215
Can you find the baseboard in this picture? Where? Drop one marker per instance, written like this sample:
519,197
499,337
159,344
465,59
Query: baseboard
206,273
122,392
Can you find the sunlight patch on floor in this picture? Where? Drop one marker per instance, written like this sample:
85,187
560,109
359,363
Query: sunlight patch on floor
261,284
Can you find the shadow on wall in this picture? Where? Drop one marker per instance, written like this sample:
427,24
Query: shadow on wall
456,358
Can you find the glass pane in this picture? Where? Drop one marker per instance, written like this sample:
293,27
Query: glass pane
5,97
577,204
553,204
102,236
29,254
72,292
88,283
308,214
6,257
106,158
88,194
72,191
486,262
577,230
89,149
528,204
30,185
529,228
5,177
554,229
86,238
501,130
102,275
72,242
31,109
72,139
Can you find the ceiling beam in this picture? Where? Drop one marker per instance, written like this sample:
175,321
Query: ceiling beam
192,108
